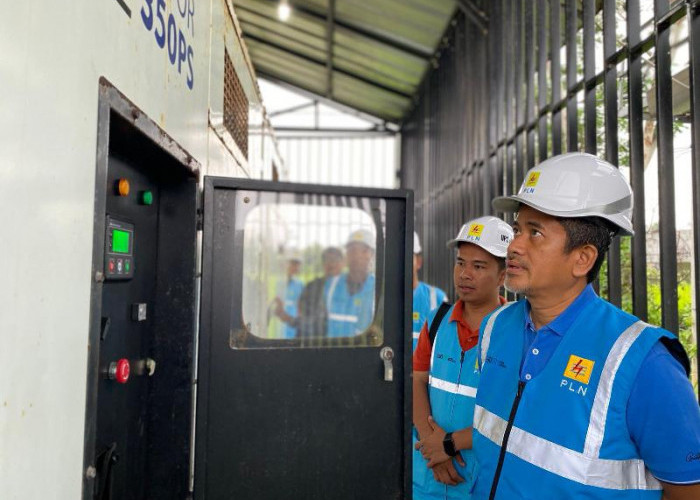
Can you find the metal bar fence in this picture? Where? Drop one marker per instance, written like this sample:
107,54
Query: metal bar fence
493,105
693,41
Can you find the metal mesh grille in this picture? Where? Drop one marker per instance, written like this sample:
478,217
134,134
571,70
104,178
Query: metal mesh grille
235,107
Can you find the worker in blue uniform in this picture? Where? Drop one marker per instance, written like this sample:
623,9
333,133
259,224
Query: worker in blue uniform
445,377
425,297
288,296
311,318
350,295
578,399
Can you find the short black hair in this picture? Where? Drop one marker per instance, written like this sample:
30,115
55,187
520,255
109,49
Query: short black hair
329,251
588,231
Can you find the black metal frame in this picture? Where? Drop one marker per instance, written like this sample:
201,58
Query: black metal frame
521,119
208,304
112,103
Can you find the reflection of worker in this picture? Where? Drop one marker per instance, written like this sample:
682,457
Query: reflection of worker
288,297
311,320
350,296
444,374
578,399
425,297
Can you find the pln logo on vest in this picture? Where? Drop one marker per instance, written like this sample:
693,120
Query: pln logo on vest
531,182
578,371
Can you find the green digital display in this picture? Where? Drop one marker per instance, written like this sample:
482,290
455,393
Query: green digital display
120,241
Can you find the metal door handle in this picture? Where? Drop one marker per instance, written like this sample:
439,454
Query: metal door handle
387,355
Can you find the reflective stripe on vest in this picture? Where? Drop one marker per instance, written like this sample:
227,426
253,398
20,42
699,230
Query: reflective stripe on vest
433,298
343,317
570,464
444,385
331,290
486,337
599,412
586,468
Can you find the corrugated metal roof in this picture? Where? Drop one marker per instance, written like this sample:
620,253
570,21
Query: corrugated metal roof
379,49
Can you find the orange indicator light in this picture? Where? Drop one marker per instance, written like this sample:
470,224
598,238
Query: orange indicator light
123,187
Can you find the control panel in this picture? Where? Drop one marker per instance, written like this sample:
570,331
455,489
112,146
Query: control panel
119,250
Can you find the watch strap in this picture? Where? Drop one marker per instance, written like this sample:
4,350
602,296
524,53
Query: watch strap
448,444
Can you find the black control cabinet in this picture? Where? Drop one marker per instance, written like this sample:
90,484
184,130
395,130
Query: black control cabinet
140,373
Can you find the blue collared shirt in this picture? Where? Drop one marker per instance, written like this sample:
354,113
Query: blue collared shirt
540,344
667,433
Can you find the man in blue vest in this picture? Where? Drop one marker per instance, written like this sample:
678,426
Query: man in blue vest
311,319
350,296
288,296
425,297
444,363
578,399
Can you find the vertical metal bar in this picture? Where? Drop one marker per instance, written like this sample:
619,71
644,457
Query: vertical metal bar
636,145
611,139
542,77
529,85
330,29
519,100
667,212
500,96
492,115
589,111
571,106
509,21
555,62
693,41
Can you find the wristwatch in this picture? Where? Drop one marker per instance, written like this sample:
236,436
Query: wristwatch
449,445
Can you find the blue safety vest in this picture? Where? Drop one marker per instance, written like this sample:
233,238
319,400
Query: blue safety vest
291,305
452,383
565,429
348,315
425,299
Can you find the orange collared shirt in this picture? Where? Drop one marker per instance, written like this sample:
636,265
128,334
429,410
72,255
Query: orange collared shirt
468,338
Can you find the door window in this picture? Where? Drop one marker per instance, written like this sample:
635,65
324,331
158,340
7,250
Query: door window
312,271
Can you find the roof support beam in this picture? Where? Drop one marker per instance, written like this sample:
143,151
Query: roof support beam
330,30
287,50
474,13
291,110
360,30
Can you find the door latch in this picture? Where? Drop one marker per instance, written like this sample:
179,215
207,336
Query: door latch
387,355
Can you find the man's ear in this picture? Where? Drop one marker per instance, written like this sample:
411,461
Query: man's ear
584,259
501,276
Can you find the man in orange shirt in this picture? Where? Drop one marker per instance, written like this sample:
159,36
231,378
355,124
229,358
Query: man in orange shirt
444,363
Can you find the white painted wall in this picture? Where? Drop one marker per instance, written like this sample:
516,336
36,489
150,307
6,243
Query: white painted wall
51,57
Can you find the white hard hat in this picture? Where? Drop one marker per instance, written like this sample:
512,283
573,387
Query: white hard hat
489,232
416,243
293,255
362,236
575,185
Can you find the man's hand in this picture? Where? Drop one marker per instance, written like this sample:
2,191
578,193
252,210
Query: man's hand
279,307
447,474
432,448
280,312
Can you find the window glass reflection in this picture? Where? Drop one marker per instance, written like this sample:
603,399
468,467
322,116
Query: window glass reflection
309,274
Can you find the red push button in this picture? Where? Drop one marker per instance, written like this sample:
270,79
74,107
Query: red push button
120,370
